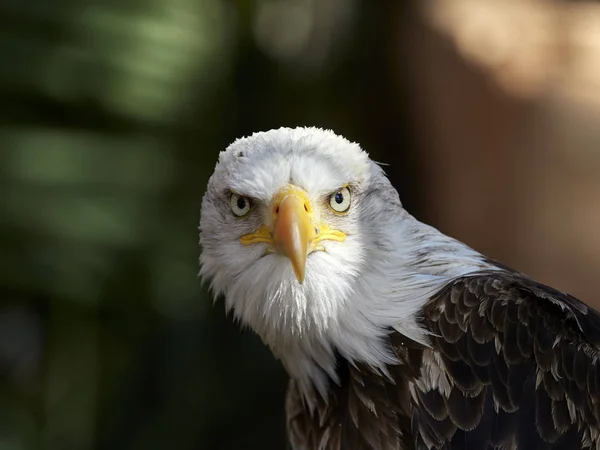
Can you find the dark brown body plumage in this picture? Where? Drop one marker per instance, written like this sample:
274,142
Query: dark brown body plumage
513,364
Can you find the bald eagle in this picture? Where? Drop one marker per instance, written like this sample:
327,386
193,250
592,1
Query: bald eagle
394,335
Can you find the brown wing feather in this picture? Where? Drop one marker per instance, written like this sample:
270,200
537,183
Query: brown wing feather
514,364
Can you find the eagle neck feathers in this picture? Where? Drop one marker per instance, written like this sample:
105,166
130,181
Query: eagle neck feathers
387,300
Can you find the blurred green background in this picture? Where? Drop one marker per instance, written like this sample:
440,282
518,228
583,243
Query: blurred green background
113,113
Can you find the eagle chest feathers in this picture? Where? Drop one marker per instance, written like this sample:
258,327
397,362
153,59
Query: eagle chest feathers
394,335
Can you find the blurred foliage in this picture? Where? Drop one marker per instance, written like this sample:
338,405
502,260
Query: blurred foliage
113,113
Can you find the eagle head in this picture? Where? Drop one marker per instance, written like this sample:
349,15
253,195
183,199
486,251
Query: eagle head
307,241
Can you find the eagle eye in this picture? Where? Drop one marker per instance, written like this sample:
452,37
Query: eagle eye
240,205
339,201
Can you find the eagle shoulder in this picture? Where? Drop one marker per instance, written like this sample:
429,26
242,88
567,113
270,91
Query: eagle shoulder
513,364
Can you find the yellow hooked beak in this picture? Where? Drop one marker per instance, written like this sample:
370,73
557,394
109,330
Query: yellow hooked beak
292,231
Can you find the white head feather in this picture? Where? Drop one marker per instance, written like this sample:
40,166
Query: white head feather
354,292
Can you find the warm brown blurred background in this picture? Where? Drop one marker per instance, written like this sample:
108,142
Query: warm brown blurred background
113,113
